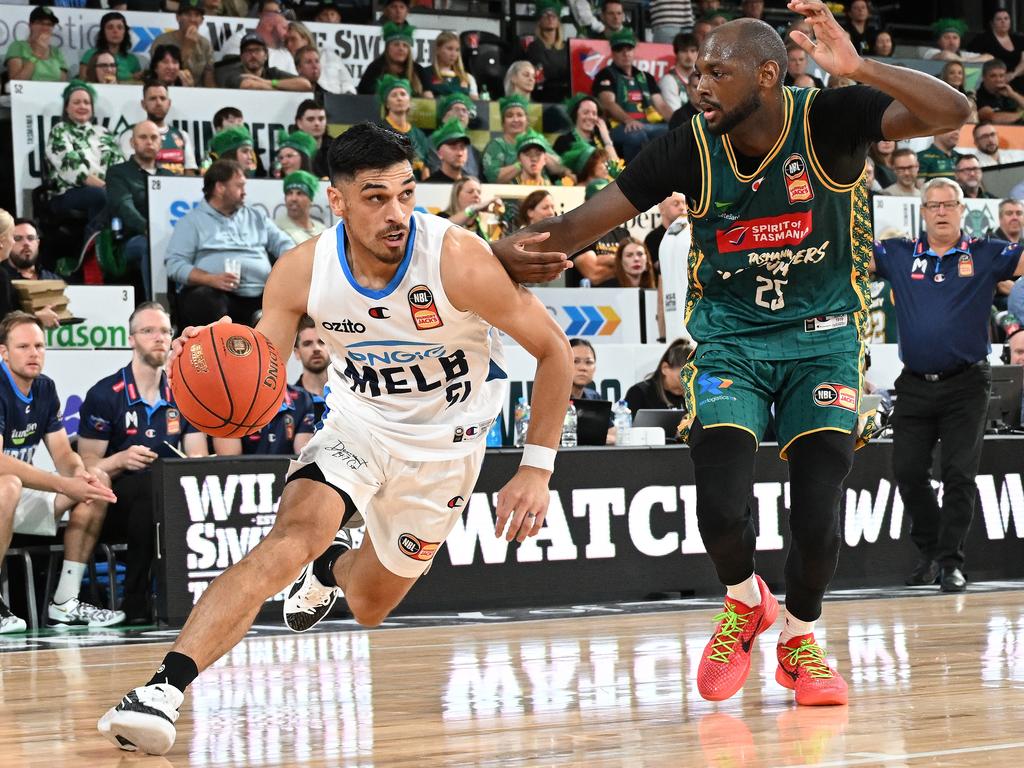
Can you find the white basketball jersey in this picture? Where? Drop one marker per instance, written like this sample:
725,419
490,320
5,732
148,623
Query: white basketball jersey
425,380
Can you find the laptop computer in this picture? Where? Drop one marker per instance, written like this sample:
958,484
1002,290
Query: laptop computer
593,417
666,418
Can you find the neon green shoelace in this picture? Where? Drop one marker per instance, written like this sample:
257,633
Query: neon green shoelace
811,657
725,641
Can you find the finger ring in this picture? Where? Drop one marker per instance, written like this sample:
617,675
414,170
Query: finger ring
531,514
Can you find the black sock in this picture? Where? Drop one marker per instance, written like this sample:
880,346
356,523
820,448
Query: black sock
178,670
323,566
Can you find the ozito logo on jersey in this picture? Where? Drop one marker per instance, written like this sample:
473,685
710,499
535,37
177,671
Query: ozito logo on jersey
379,313
424,313
837,395
416,548
767,232
798,183
344,326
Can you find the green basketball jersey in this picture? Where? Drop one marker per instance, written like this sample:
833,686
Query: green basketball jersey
779,259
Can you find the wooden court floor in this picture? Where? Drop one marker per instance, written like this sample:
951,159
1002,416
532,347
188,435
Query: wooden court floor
935,681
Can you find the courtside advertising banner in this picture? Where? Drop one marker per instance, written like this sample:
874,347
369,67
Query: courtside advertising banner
356,44
588,57
170,198
901,217
36,107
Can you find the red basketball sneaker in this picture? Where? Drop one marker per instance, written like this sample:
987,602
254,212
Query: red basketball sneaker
726,661
802,668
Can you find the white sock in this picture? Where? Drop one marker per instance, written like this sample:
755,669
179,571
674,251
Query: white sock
70,581
793,627
747,592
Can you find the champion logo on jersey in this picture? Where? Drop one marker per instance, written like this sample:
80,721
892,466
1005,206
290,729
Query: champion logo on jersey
424,312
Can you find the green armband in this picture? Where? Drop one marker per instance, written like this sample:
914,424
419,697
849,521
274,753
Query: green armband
273,84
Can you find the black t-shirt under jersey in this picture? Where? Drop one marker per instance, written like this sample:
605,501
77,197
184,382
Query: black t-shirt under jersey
844,121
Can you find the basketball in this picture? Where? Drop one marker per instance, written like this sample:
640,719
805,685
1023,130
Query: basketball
228,381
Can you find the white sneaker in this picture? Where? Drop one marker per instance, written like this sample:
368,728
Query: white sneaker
75,613
309,600
9,622
144,720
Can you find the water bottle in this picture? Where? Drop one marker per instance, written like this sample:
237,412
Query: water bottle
569,427
522,422
116,229
623,421
585,282
494,434
484,94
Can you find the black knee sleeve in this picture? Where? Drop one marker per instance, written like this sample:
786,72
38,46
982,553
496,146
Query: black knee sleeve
818,466
723,460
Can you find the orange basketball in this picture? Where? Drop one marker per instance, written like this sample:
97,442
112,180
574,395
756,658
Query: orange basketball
228,381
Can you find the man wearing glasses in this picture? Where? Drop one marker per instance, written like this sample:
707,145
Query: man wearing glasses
943,283
127,422
906,166
986,139
23,264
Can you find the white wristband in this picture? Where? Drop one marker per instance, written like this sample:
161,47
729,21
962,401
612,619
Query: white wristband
538,456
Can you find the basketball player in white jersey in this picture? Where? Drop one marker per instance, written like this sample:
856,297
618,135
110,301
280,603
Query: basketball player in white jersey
406,303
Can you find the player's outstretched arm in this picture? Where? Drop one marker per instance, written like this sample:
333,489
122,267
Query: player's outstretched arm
530,259
474,281
286,295
924,104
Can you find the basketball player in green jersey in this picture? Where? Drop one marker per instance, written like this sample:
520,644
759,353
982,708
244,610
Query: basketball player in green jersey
778,301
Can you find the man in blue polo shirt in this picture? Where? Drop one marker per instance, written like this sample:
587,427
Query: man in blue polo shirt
32,501
944,283
127,422
311,351
286,434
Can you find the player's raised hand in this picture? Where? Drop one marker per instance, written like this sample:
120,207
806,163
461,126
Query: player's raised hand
831,47
522,504
525,265
189,332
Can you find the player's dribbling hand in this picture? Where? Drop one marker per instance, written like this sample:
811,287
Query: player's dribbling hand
831,48
522,504
528,266
189,332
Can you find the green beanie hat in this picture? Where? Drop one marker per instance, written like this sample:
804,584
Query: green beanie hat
573,103
387,83
950,24
515,100
576,156
594,187
300,141
532,139
446,103
450,131
403,32
543,6
230,138
78,85
622,39
304,181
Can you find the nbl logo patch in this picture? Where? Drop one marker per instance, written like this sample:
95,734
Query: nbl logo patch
416,548
835,395
798,182
424,313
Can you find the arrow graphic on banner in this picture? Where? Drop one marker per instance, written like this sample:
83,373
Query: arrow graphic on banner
590,320
144,37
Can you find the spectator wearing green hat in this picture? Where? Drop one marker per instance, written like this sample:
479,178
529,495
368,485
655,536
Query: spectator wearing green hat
500,163
588,163
451,143
235,143
395,97
549,54
448,74
631,98
300,189
397,61
532,151
588,126
78,153
196,50
34,58
459,106
949,33
295,152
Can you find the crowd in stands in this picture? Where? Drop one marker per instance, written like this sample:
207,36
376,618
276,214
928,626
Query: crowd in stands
221,252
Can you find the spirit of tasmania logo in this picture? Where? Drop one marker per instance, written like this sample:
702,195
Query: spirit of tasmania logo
768,232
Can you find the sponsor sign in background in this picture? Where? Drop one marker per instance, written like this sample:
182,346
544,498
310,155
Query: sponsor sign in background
356,44
621,525
35,107
588,57
171,198
105,309
901,217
